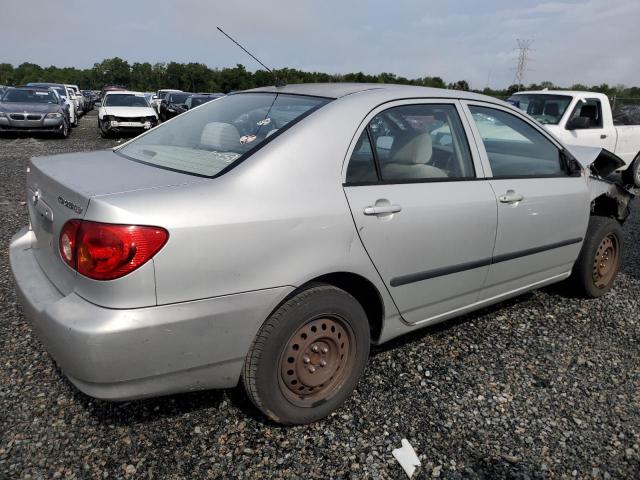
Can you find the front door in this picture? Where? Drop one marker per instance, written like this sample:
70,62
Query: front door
543,209
422,208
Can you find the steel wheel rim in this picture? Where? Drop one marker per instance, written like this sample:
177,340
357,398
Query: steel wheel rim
317,360
606,261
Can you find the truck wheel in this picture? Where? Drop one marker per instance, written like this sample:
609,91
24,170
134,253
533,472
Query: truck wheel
600,258
631,176
308,356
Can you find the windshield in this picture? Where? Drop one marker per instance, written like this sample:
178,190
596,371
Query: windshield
125,100
208,140
29,96
178,97
547,109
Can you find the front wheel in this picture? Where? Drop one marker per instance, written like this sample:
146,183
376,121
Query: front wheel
631,176
600,258
308,356
65,131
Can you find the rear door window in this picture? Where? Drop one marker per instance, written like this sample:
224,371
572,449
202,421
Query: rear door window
421,142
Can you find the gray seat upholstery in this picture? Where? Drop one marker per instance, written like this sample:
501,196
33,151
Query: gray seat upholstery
409,160
219,136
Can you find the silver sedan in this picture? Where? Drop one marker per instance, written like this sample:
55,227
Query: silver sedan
273,235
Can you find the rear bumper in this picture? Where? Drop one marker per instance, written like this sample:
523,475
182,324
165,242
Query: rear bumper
134,353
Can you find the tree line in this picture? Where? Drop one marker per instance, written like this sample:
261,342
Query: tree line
198,77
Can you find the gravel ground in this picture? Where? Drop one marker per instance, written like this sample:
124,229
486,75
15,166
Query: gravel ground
544,386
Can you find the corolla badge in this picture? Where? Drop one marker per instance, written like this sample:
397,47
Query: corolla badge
70,205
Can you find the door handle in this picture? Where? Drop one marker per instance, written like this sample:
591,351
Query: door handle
511,197
382,209
603,136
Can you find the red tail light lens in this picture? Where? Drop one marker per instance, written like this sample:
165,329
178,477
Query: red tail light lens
105,251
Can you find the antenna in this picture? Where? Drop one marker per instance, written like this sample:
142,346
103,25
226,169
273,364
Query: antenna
278,82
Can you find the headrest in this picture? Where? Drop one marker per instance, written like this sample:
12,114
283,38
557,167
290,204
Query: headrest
220,136
417,150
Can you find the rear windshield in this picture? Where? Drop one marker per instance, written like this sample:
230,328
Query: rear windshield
125,100
547,109
29,96
212,138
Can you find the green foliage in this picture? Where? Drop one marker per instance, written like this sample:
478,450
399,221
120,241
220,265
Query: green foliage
197,77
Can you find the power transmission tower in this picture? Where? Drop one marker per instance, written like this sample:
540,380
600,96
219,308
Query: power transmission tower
524,46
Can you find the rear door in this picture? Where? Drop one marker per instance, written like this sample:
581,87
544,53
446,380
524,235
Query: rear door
421,205
543,210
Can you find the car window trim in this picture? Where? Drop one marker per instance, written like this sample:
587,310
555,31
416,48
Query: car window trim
532,123
414,101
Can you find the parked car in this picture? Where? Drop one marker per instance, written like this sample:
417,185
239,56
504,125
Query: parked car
585,118
172,104
126,112
82,108
89,99
63,93
198,99
33,109
273,235
161,94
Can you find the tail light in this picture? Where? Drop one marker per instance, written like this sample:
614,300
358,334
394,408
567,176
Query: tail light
105,251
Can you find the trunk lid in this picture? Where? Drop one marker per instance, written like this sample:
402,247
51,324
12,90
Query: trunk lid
60,188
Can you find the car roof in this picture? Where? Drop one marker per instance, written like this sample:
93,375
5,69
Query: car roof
572,93
392,91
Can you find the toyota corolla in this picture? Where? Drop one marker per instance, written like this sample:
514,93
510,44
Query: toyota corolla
271,236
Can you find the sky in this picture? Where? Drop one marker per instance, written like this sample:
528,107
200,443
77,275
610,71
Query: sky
588,42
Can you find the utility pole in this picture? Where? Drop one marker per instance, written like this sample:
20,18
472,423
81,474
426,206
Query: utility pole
524,46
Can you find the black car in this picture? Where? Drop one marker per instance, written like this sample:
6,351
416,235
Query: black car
34,109
173,104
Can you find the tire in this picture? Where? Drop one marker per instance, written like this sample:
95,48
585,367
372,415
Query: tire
103,133
66,130
308,356
631,176
599,261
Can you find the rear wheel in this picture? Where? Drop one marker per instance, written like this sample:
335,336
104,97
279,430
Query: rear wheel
631,176
599,262
308,356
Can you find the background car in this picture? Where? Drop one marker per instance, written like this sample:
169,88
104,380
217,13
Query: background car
161,95
63,93
173,104
33,109
122,111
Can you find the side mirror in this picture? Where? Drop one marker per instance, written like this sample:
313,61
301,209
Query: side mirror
185,106
578,123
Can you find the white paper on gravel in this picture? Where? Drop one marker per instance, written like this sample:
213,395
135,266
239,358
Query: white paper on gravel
406,457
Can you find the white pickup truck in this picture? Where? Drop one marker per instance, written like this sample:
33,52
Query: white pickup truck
585,119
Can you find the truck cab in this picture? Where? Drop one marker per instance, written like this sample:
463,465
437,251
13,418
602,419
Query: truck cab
584,119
